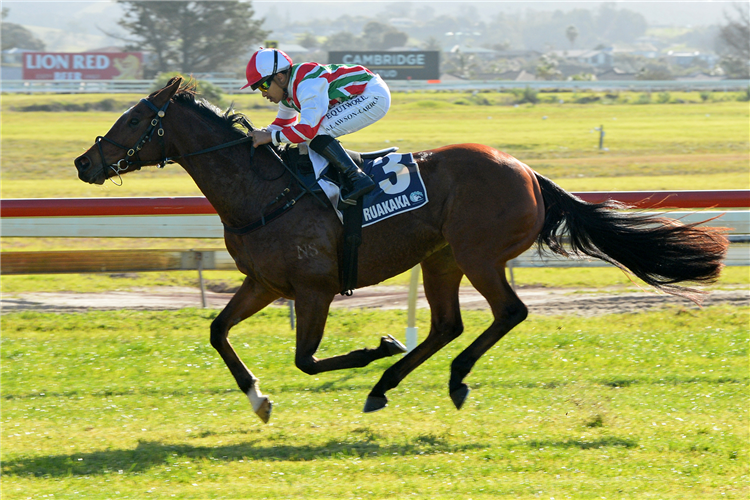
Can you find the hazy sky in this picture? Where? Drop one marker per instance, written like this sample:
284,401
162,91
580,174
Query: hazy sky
87,15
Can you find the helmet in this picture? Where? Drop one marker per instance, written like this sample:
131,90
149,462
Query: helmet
264,64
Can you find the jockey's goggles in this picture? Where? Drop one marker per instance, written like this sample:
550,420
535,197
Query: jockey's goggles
265,84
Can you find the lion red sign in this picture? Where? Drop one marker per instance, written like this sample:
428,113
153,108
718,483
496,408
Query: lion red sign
82,66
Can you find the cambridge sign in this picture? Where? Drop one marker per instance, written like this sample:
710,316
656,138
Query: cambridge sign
396,65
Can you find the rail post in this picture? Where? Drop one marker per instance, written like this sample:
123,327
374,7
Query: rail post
199,262
411,325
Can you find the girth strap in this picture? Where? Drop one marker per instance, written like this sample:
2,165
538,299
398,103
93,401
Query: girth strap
352,240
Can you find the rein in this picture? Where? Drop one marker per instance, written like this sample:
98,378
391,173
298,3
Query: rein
126,163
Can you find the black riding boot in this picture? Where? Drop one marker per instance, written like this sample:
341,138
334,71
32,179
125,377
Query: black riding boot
356,182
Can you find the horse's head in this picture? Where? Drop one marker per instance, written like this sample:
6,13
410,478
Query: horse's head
135,140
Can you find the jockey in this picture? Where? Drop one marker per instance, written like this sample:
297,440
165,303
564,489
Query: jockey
318,103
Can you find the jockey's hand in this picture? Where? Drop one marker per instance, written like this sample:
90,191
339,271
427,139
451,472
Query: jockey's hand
261,137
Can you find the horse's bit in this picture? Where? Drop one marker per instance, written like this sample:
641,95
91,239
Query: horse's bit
125,163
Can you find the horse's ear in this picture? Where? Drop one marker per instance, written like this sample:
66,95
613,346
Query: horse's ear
161,97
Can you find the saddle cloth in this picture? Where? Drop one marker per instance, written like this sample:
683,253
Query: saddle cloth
398,186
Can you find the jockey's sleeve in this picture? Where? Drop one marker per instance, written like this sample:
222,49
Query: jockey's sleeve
313,98
285,117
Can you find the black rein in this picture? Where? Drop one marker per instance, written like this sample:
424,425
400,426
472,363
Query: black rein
156,125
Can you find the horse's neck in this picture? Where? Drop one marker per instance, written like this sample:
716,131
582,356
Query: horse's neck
232,180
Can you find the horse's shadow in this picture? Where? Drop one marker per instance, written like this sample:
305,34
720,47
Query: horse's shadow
150,454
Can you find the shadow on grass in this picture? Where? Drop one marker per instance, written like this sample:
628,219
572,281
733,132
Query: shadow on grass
150,454
604,442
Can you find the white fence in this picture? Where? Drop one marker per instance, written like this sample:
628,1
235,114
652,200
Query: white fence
232,86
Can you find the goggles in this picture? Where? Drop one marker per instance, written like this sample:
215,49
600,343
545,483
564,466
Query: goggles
265,84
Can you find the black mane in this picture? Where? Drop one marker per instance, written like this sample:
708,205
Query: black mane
229,119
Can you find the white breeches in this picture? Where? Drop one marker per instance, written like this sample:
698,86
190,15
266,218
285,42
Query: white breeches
359,112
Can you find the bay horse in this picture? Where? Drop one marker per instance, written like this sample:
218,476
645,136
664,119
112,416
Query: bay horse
485,208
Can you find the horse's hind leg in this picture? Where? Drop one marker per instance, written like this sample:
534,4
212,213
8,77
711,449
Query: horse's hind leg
508,311
312,311
249,299
441,277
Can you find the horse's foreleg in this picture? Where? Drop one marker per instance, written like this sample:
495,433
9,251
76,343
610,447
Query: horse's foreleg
508,311
249,299
312,312
441,277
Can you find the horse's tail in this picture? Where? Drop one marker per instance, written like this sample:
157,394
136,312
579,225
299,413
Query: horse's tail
660,251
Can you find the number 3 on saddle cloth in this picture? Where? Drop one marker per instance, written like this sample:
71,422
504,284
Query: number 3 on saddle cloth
398,188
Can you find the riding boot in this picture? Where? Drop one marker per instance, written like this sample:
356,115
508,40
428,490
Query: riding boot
356,182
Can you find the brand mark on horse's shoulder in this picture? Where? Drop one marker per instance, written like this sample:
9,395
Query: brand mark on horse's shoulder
306,251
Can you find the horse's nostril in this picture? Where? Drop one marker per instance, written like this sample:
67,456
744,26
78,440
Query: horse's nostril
82,162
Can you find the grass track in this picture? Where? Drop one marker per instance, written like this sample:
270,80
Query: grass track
137,404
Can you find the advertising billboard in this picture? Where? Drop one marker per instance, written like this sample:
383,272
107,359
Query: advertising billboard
82,66
396,65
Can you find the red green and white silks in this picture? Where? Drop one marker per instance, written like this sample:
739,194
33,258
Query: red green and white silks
334,100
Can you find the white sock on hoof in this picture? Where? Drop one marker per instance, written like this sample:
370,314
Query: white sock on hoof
255,397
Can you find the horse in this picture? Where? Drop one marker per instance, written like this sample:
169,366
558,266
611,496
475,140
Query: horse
485,208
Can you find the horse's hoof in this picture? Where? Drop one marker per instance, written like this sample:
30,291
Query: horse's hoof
264,412
374,404
393,345
459,396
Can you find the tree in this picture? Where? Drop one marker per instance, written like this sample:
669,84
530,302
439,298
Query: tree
16,36
432,43
375,36
655,71
571,32
192,37
308,40
343,40
379,36
546,68
734,44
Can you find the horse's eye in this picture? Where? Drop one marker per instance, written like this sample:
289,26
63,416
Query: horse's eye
134,121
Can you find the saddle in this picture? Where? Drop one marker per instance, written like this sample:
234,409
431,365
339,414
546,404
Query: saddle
301,164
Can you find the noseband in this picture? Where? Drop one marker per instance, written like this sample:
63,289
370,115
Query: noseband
125,163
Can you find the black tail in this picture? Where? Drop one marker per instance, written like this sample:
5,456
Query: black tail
658,250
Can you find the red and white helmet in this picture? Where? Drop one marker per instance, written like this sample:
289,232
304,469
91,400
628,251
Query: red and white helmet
264,64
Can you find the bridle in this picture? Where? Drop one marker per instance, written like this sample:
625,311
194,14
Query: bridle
126,163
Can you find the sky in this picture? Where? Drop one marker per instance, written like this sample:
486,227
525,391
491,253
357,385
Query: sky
78,25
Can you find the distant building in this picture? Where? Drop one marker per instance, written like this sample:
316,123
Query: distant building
594,57
690,58
616,74
518,54
479,52
294,50
646,50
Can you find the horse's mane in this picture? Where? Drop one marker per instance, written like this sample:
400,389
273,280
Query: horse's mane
229,119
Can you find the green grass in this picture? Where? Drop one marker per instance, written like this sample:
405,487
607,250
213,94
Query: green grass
655,146
138,405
